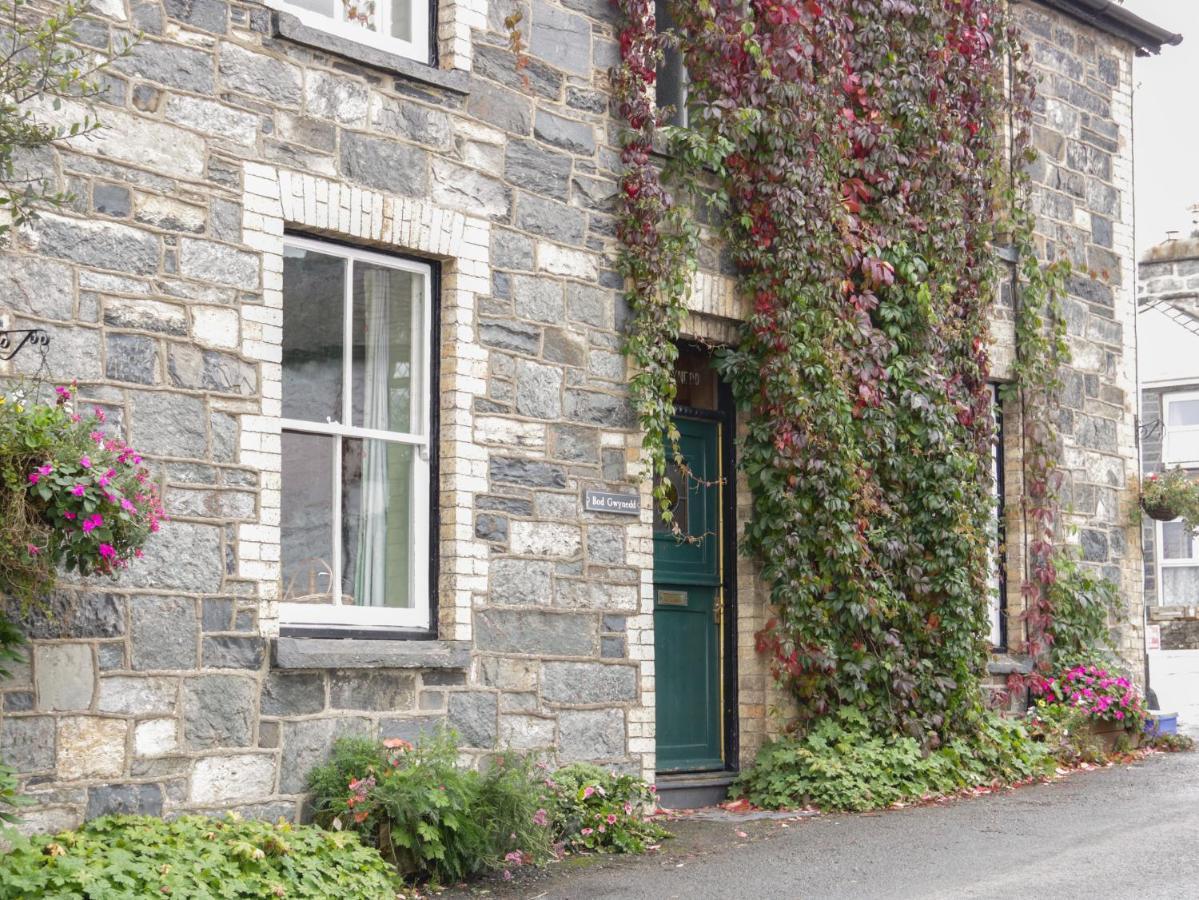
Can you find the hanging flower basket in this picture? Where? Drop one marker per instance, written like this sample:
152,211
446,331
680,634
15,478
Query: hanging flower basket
1170,495
72,495
1160,511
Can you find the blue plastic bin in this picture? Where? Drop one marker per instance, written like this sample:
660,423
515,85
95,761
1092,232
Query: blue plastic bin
1162,723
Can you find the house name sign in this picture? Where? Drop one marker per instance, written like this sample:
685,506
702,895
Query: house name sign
606,501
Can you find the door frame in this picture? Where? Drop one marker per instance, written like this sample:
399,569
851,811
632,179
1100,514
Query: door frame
725,416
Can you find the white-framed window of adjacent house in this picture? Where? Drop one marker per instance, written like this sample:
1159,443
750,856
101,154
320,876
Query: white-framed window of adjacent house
1177,565
398,26
356,444
997,601
1180,435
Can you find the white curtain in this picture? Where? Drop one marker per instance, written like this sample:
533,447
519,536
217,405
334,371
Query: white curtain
370,579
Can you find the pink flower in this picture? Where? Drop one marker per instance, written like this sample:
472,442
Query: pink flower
63,392
588,791
585,832
540,818
68,515
45,470
107,551
92,522
78,490
611,818
33,551
97,436
127,506
85,461
34,477
98,413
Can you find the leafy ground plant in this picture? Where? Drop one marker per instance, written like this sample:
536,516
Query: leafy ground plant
842,765
435,819
429,816
195,857
1066,733
599,810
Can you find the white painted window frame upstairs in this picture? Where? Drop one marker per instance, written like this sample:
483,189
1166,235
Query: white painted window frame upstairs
334,613
1189,562
1173,433
418,49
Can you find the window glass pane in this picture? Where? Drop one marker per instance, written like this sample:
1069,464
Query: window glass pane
670,87
313,301
401,19
307,511
388,305
1180,585
1183,412
324,7
1176,541
360,12
378,484
1181,446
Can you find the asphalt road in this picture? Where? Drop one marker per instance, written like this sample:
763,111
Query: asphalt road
1124,831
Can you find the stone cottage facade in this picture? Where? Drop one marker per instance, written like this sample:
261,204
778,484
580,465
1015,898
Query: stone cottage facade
355,300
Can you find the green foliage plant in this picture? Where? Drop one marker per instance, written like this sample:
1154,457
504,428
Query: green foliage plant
11,798
71,495
597,810
1066,732
856,161
1084,604
841,763
195,857
429,816
40,67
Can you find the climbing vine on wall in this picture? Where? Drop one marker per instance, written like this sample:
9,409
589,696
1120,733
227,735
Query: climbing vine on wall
858,151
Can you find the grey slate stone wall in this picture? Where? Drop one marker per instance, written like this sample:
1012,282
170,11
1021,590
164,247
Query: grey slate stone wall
162,692
1082,195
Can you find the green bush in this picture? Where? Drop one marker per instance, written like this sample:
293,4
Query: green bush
599,810
433,818
841,765
195,857
429,816
1066,732
1083,603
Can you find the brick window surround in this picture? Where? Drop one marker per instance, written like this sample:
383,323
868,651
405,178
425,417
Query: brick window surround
276,200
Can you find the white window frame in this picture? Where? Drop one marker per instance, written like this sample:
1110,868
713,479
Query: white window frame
996,601
418,49
334,613
1169,399
1163,563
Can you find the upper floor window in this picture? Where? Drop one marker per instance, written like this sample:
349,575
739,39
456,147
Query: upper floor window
398,26
1180,443
670,86
356,469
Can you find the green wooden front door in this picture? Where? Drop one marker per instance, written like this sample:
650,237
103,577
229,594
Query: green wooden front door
687,607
